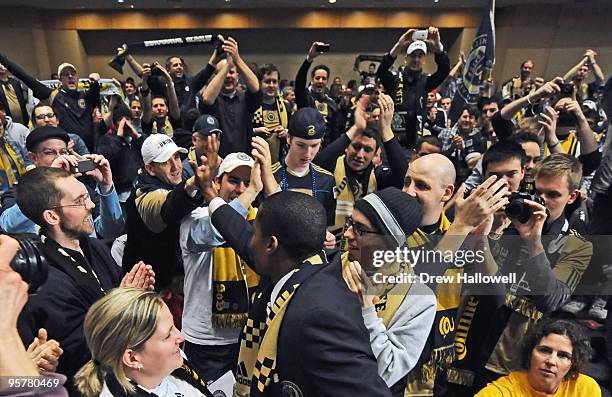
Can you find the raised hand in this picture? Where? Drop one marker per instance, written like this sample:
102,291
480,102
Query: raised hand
549,89
484,201
312,52
230,46
387,108
433,38
205,176
102,174
141,276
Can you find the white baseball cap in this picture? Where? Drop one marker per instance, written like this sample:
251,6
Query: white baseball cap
417,45
159,148
233,161
63,66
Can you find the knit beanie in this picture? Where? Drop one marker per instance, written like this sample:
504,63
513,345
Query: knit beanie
392,212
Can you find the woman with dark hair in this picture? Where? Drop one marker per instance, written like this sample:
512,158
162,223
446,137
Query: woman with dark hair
554,354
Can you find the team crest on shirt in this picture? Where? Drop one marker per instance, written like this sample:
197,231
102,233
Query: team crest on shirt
271,118
81,103
219,393
322,108
290,389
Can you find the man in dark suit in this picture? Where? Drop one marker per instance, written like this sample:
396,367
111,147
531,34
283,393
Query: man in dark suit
304,335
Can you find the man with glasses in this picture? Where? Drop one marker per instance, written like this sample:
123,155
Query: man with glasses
44,115
81,268
48,147
380,223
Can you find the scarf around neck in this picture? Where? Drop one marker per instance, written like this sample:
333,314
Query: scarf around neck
233,280
256,370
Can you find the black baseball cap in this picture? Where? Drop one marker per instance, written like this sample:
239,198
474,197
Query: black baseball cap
206,125
43,133
307,123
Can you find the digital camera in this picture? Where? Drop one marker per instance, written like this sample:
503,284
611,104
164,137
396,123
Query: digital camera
517,208
30,261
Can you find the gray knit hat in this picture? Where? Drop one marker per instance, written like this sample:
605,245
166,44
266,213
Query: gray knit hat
392,212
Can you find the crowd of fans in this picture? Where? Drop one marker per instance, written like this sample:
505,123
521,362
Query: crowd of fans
230,221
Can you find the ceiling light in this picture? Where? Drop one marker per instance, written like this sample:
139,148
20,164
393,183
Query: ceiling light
131,5
332,1
120,1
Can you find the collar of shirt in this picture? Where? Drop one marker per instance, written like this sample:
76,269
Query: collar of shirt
230,96
165,389
276,290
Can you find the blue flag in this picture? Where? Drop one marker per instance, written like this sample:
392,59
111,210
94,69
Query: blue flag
479,62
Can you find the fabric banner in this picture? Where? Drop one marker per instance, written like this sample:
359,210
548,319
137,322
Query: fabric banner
479,63
107,86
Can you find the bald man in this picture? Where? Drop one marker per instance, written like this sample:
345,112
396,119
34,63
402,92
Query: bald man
431,180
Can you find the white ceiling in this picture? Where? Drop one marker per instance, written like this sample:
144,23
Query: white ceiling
247,4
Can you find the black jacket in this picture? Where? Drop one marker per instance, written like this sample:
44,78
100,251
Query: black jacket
323,347
25,119
154,214
124,158
416,87
62,302
74,111
305,98
385,176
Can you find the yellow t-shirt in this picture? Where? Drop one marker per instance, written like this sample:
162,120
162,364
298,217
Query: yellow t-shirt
516,385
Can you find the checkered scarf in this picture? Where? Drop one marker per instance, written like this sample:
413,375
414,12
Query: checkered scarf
258,341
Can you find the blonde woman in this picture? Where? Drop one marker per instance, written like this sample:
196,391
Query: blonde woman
134,347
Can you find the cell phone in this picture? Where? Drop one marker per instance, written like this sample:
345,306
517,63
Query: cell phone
82,167
567,90
322,47
420,35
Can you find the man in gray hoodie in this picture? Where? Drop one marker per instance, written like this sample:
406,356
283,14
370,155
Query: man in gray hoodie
398,310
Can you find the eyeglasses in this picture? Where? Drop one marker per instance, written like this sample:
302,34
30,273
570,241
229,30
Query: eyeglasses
357,228
80,202
55,153
45,116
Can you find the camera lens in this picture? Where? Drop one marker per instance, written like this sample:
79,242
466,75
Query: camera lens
30,261
519,210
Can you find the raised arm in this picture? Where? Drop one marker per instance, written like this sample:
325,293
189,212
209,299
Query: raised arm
173,106
145,93
39,90
433,41
586,136
460,62
212,90
546,91
597,72
230,46
229,223
134,65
